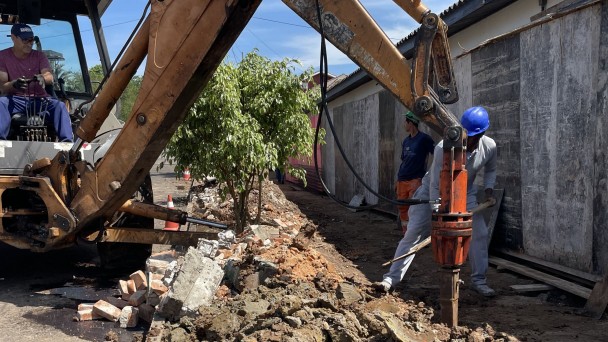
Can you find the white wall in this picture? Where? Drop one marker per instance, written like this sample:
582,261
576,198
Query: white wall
509,18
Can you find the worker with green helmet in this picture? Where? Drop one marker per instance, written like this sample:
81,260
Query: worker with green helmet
415,149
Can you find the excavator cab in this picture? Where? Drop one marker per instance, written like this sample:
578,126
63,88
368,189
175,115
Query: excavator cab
60,31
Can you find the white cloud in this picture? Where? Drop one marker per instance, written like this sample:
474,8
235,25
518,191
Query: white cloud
399,31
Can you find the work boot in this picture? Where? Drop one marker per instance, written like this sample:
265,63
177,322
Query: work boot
381,286
483,290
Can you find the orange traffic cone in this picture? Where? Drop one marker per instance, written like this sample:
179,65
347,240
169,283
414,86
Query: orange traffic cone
187,174
168,224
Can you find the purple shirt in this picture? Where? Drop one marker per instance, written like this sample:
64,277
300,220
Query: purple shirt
27,68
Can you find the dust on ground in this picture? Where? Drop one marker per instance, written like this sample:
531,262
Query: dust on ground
310,281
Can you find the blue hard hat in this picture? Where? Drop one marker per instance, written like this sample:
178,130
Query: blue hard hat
475,120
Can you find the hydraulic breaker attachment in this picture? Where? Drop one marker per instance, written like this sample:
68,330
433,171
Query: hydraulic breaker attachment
165,214
452,225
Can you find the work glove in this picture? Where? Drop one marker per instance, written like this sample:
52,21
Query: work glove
20,83
40,79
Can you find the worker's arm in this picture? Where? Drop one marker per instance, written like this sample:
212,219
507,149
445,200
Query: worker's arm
9,87
435,171
5,85
489,174
47,76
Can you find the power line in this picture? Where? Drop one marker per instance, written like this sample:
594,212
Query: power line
282,22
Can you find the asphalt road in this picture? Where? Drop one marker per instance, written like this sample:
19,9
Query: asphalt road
29,313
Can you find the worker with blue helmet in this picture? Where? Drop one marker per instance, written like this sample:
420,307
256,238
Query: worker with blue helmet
481,154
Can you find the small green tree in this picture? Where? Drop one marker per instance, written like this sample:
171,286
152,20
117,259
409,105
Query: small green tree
96,75
250,118
127,99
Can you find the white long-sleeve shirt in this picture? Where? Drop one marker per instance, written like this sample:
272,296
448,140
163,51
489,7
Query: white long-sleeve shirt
484,156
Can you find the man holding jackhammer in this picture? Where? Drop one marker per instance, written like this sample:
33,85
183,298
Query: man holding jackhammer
481,153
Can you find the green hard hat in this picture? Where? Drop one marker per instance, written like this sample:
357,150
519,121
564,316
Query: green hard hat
413,118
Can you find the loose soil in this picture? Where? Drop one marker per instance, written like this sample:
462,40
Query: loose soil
359,243
311,282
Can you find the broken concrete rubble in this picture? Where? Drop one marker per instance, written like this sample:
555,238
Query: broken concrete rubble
194,285
158,262
128,317
208,247
106,310
287,291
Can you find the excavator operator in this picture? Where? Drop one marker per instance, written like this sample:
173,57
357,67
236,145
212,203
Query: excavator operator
23,74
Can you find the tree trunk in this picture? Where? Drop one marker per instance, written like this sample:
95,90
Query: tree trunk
258,216
240,212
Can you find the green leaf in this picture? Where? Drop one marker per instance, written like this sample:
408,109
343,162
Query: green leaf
250,118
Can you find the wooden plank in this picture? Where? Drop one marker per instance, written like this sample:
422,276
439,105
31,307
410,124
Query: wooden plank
545,278
531,288
491,214
591,278
596,303
498,193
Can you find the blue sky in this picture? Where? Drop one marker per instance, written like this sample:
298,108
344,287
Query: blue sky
274,30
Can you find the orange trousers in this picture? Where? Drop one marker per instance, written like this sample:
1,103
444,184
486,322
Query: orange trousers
406,189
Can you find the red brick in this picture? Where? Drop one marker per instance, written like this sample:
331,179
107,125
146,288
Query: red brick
137,298
131,285
86,315
153,299
106,310
156,276
117,302
140,280
85,306
146,312
226,252
123,287
158,287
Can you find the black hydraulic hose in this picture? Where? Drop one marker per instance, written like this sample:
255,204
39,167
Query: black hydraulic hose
206,223
323,71
124,47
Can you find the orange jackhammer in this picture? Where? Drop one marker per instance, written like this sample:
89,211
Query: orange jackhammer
452,224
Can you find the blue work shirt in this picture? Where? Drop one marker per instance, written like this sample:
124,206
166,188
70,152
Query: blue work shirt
413,156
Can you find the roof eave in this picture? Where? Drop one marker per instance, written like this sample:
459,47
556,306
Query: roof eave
458,17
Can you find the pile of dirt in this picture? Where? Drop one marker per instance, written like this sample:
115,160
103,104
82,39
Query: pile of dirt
278,287
208,204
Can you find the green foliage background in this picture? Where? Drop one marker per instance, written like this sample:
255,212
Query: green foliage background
127,99
249,119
